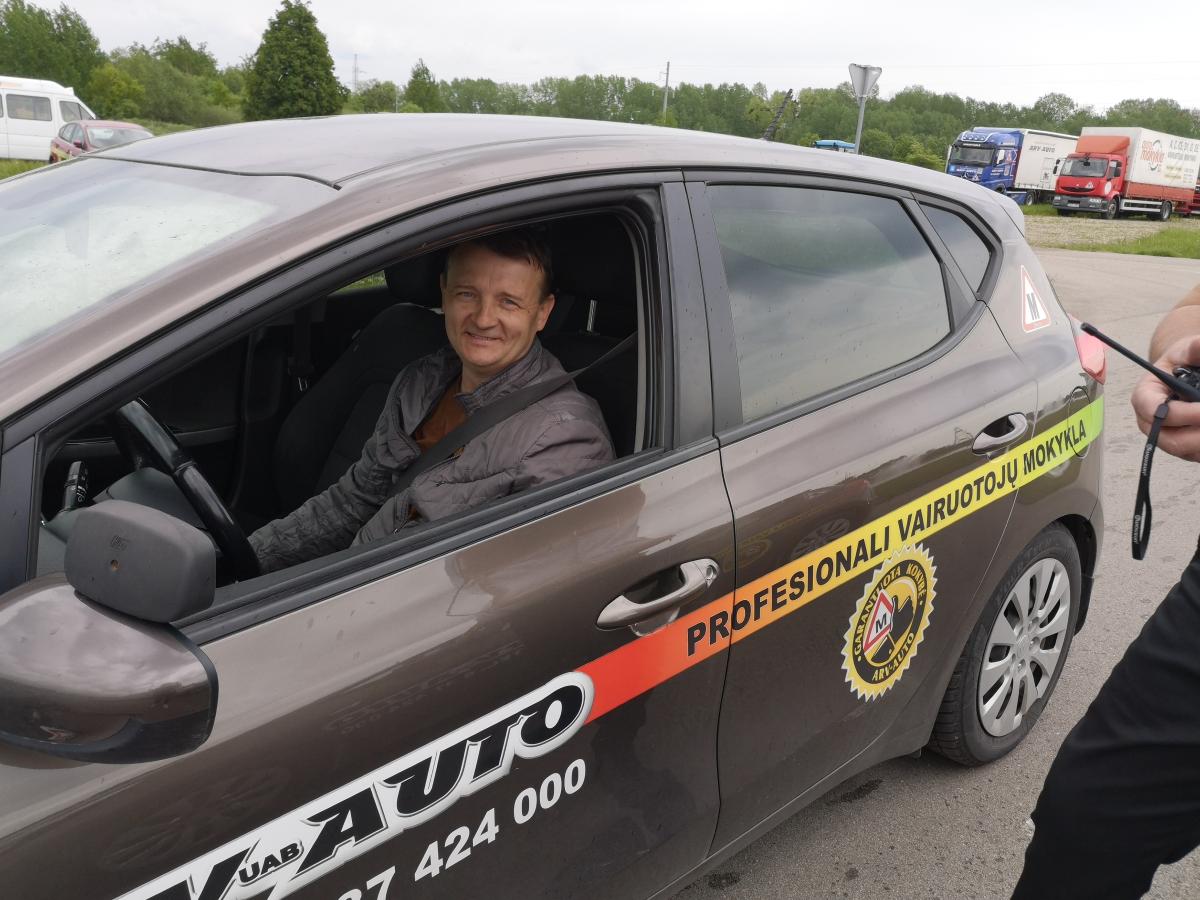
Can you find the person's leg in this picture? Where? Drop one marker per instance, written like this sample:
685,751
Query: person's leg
1123,794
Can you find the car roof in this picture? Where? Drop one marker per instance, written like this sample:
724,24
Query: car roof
379,167
341,149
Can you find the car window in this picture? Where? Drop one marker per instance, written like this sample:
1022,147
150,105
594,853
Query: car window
826,287
23,106
64,133
966,246
1,106
71,112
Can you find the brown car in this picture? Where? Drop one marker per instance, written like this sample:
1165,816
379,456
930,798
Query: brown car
87,135
854,510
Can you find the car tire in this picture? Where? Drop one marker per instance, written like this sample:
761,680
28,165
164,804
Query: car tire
981,720
1030,198
1112,209
1164,211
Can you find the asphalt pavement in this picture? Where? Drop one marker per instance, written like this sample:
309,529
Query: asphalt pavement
927,828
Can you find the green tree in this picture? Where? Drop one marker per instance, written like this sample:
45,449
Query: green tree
115,95
876,142
292,72
36,43
169,95
187,59
422,89
375,96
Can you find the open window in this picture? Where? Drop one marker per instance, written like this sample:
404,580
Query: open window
275,413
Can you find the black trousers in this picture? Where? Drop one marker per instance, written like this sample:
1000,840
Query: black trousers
1123,794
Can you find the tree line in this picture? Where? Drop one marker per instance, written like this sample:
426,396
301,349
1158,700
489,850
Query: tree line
291,74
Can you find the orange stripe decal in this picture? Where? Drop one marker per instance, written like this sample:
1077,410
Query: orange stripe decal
646,662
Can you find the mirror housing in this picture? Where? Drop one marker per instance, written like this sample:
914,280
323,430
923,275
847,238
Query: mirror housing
141,562
83,682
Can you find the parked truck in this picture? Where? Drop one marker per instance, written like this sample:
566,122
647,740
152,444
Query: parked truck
1010,160
1120,171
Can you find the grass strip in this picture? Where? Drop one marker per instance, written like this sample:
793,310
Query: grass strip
17,166
1180,241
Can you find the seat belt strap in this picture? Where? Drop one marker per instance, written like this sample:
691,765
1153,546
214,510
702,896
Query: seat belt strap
494,413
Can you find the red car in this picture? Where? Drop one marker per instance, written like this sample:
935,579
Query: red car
93,134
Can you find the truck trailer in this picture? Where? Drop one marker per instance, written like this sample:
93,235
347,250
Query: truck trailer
1121,171
1010,159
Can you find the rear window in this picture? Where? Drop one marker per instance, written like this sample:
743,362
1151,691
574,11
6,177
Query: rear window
826,287
969,250
23,106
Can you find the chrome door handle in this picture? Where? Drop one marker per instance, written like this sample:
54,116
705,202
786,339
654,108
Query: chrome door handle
1017,426
697,575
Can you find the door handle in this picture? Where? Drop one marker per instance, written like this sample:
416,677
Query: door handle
1013,427
697,575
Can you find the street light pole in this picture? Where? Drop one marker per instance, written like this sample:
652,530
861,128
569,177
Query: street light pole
863,79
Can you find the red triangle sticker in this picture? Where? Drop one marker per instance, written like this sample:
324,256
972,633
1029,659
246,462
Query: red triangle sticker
880,625
1034,313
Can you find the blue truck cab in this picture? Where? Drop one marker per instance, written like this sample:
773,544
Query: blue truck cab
987,156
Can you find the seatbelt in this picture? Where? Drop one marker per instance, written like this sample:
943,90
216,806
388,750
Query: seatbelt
495,413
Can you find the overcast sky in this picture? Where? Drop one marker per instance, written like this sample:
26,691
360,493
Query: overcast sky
1097,52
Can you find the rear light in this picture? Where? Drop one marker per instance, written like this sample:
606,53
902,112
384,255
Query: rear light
1091,353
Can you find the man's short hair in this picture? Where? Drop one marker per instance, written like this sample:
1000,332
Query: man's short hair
528,244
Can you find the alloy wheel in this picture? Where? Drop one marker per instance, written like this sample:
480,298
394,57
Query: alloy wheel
1024,646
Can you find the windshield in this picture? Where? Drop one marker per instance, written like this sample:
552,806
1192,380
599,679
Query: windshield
77,234
971,156
1085,167
101,137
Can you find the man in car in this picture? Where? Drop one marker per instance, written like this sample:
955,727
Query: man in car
1123,794
496,297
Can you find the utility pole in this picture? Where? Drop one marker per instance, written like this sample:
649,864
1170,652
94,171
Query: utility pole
769,134
666,90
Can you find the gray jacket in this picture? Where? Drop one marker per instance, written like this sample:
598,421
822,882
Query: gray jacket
560,435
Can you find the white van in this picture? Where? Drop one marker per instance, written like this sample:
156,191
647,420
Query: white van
31,113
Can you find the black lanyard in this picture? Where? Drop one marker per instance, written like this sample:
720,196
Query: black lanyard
1142,511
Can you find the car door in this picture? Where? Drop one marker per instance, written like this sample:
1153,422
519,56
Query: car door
864,386
448,720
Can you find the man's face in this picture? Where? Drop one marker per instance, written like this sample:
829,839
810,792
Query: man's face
494,309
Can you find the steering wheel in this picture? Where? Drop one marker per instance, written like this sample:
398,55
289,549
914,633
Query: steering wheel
145,441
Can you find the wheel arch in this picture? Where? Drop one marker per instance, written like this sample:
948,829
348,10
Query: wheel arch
1084,535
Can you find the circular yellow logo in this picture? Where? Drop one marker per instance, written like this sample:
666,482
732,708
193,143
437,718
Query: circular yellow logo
889,622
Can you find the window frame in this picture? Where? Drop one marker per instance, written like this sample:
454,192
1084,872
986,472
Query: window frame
962,303
994,244
31,439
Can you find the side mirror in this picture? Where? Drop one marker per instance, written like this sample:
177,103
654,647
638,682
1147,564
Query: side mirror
80,676
78,144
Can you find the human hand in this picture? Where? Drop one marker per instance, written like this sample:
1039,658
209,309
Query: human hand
1180,435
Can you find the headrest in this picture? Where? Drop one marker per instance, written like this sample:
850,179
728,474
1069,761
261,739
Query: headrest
417,280
593,259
